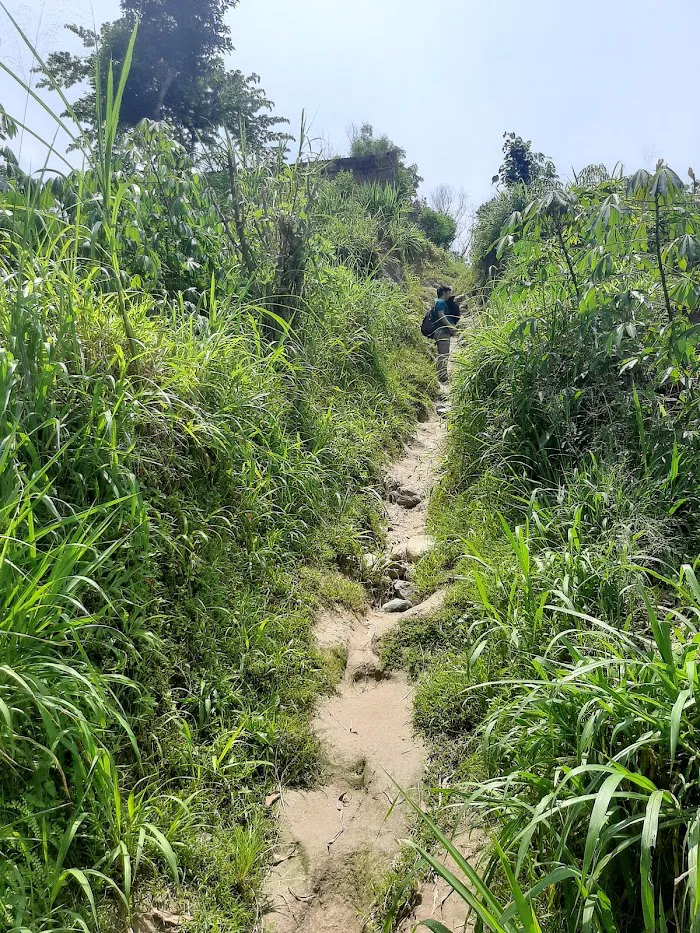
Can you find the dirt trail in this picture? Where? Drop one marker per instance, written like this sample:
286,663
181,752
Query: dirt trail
336,838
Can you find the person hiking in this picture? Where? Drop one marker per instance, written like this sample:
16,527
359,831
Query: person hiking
446,314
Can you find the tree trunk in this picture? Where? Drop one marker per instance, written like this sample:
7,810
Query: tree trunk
238,217
163,93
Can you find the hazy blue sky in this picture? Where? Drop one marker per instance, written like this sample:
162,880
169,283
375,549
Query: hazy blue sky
601,81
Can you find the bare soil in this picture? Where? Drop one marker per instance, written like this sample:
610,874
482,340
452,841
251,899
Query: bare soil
336,838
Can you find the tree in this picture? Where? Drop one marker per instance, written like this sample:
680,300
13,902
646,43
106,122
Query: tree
363,142
439,227
178,71
521,165
448,200
456,204
487,230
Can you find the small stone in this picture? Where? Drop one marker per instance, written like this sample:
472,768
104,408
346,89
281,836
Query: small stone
369,560
397,570
397,605
408,499
405,590
418,547
404,496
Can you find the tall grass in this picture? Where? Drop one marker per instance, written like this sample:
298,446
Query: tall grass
196,396
559,685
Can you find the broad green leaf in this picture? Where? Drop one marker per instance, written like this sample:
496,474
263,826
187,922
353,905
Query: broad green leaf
599,818
485,913
638,184
165,849
693,883
82,880
666,185
662,635
524,907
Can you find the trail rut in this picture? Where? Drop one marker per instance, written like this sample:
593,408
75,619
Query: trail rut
334,837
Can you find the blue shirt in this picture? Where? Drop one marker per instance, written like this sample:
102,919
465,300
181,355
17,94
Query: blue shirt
440,313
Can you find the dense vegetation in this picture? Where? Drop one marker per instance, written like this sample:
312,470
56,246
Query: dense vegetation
178,73
559,685
203,366
439,222
207,351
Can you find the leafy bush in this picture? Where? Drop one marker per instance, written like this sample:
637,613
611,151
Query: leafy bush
490,219
370,226
440,229
575,400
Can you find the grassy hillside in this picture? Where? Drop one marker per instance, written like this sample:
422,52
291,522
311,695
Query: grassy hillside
559,684
203,370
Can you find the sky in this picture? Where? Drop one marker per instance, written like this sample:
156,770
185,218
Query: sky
603,81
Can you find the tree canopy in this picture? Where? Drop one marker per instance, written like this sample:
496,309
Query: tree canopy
178,72
438,226
521,165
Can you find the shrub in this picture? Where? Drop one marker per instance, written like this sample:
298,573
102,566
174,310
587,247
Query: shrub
440,228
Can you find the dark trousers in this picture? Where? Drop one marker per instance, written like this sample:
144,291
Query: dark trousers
442,339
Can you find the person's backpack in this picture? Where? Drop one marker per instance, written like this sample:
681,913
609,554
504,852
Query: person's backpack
429,325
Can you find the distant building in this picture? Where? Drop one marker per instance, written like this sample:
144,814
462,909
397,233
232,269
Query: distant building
366,169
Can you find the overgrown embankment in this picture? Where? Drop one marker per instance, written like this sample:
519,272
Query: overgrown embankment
202,375
559,684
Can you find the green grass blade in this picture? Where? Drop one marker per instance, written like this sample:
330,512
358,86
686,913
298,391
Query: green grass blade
599,818
676,716
483,912
649,834
524,907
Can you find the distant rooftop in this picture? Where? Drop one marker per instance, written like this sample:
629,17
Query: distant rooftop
365,169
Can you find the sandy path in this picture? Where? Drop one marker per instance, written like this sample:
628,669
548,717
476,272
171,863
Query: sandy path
336,838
